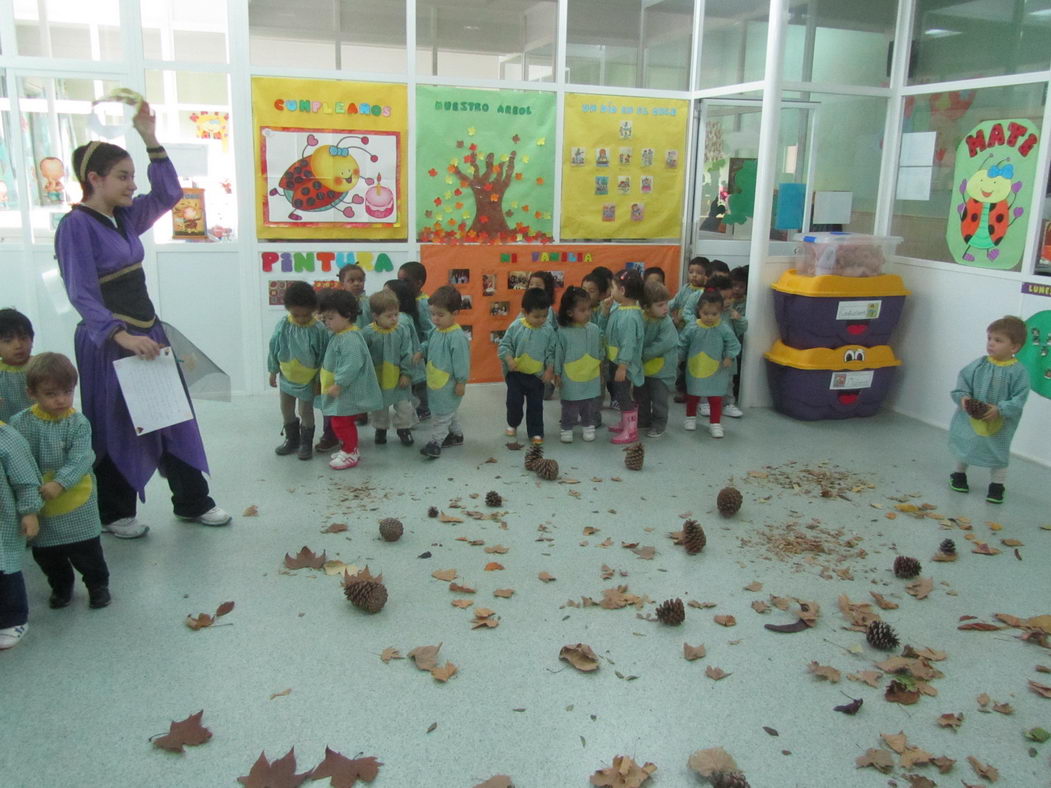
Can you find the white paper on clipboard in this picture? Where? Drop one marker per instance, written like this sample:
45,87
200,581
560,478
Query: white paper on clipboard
153,391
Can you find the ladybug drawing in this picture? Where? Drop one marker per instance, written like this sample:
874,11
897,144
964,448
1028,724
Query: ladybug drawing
323,178
988,209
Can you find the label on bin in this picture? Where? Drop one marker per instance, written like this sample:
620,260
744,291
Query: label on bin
858,310
862,379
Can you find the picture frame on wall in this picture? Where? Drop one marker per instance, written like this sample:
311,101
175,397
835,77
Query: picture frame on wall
188,217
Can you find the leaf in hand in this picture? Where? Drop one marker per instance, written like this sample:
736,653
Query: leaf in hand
344,772
624,773
305,559
580,656
279,774
188,733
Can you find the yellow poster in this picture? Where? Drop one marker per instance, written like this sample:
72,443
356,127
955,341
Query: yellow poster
330,159
623,167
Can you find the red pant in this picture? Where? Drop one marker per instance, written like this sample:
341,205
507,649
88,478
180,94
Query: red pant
715,405
346,429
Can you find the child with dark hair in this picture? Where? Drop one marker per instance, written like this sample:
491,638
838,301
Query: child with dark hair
414,274
348,379
352,279
709,347
19,503
660,359
546,282
16,348
739,323
527,356
990,394
448,368
297,348
653,273
577,362
60,440
624,337
391,343
597,285
684,304
716,267
409,314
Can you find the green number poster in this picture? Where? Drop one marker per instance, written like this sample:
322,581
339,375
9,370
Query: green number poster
485,162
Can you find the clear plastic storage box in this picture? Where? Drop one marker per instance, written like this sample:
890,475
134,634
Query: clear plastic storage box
844,254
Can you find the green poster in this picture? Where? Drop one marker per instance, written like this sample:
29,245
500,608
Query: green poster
994,174
1036,353
485,163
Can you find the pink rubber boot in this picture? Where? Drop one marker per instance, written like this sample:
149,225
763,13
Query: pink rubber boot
618,427
630,433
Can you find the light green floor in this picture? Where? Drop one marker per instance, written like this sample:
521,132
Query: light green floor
86,689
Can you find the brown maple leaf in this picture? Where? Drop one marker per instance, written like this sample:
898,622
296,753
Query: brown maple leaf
624,773
188,733
896,741
335,528
920,587
580,656
914,756
881,760
497,548
691,653
824,672
983,769
462,602
493,566
759,606
484,617
754,586
201,621
445,672
305,559
1040,689
344,772
279,774
646,551
506,593
444,574
390,653
870,677
898,692
425,657
950,720
726,621
456,588
715,673
943,763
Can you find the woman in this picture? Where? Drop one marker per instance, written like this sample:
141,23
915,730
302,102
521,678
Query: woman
100,256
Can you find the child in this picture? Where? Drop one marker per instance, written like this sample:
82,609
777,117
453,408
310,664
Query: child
527,355
415,276
348,379
597,284
391,343
60,441
709,347
716,267
297,347
685,301
448,368
578,356
737,321
546,282
998,380
653,273
352,279
19,503
624,336
660,359
16,347
739,299
409,314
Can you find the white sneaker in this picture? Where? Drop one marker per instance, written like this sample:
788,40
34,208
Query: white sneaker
716,430
510,432
689,423
655,433
588,433
126,528
214,517
10,637
566,436
706,409
733,411
344,460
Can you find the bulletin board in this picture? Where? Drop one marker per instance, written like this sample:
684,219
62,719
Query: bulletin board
330,159
493,279
623,166
485,165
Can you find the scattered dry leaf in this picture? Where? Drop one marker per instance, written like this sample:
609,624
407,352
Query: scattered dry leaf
462,602
335,528
711,762
425,657
624,773
950,720
914,756
279,774
493,566
920,587
691,653
201,621
870,677
882,760
251,511
983,770
726,621
390,653
546,577
343,772
824,672
984,549
754,586
444,574
1042,690
445,672
896,741
580,656
456,588
305,559
283,693
759,606
485,618
646,551
715,673
498,781
185,733
497,548
897,692
505,593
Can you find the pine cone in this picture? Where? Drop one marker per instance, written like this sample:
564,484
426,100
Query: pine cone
671,612
880,635
432,511
634,456
368,595
693,538
533,456
546,469
728,780
976,408
906,567
948,547
391,529
493,498
729,501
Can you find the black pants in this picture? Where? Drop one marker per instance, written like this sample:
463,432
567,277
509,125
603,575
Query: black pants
59,561
530,388
117,497
14,606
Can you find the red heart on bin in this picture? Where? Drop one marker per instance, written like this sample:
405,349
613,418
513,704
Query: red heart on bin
848,397
857,328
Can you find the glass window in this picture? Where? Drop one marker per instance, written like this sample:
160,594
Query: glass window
922,218
957,39
192,30
819,35
733,46
10,216
500,39
630,43
193,123
68,28
372,36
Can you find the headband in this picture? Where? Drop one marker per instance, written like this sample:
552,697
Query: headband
88,152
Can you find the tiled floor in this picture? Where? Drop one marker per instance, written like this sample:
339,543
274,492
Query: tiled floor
86,689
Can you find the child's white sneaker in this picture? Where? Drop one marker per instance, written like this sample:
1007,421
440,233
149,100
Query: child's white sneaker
588,433
732,411
716,430
344,460
510,432
214,516
566,436
10,637
706,409
689,423
126,528
655,433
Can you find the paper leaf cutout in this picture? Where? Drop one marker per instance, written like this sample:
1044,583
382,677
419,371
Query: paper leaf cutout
305,559
580,656
425,657
713,761
444,574
344,772
185,733
279,774
624,773
690,653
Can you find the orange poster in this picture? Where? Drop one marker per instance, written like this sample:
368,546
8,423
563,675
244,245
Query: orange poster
492,280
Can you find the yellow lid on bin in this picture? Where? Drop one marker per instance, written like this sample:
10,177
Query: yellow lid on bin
847,357
832,286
